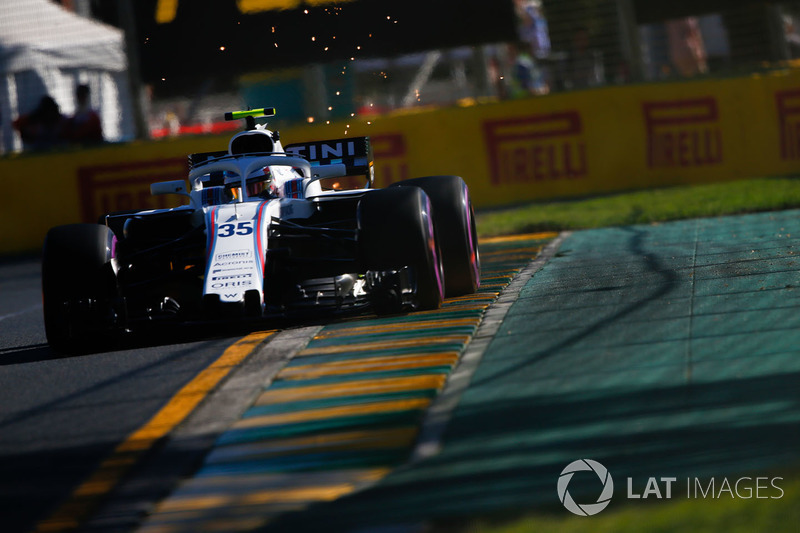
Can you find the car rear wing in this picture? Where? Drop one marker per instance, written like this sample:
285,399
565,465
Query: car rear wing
353,154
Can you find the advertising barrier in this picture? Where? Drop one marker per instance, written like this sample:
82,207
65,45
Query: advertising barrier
563,145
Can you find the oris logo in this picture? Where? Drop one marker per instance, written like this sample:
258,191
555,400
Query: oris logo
585,509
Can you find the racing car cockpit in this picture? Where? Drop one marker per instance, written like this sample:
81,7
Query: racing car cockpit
258,183
217,177
256,167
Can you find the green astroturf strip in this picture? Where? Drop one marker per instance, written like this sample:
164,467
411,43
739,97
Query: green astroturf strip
366,354
408,334
367,421
290,383
360,376
306,462
412,317
305,405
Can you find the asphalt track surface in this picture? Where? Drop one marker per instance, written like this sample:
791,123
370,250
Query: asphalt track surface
665,350
60,416
84,436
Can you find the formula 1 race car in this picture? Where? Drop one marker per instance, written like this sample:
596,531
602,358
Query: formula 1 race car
265,233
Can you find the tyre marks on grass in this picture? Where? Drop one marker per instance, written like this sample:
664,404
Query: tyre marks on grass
342,413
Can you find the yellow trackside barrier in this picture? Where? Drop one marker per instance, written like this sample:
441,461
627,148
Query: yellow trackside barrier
571,144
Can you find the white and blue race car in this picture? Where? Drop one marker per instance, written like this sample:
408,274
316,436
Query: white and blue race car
265,234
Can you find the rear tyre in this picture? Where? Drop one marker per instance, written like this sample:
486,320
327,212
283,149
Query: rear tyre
78,285
396,230
455,230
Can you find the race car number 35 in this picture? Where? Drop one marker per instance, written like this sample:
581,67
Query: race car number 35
242,228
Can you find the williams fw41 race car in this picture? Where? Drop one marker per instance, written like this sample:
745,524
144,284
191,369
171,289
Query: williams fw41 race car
268,232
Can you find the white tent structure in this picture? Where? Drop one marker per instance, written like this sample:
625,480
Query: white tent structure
45,49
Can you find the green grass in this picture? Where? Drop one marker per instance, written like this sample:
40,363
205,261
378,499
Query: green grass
684,515
642,207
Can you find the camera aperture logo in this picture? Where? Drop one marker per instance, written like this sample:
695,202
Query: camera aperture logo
585,509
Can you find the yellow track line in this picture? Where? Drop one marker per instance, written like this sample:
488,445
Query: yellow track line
351,388
514,238
370,364
397,326
513,252
451,306
327,413
313,489
289,494
503,275
382,345
363,439
503,272
240,484
477,297
85,498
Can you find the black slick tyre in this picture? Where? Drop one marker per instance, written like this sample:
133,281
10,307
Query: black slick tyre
78,285
455,229
396,230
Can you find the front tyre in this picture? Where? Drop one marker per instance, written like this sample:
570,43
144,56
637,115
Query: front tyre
455,230
396,230
78,286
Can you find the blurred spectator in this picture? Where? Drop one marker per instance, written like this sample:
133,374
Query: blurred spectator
84,127
43,128
527,77
535,35
686,47
533,27
792,33
172,123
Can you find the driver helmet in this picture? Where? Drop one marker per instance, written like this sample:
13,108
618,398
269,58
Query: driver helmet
259,183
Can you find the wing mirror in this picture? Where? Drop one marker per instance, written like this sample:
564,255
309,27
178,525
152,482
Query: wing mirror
171,187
